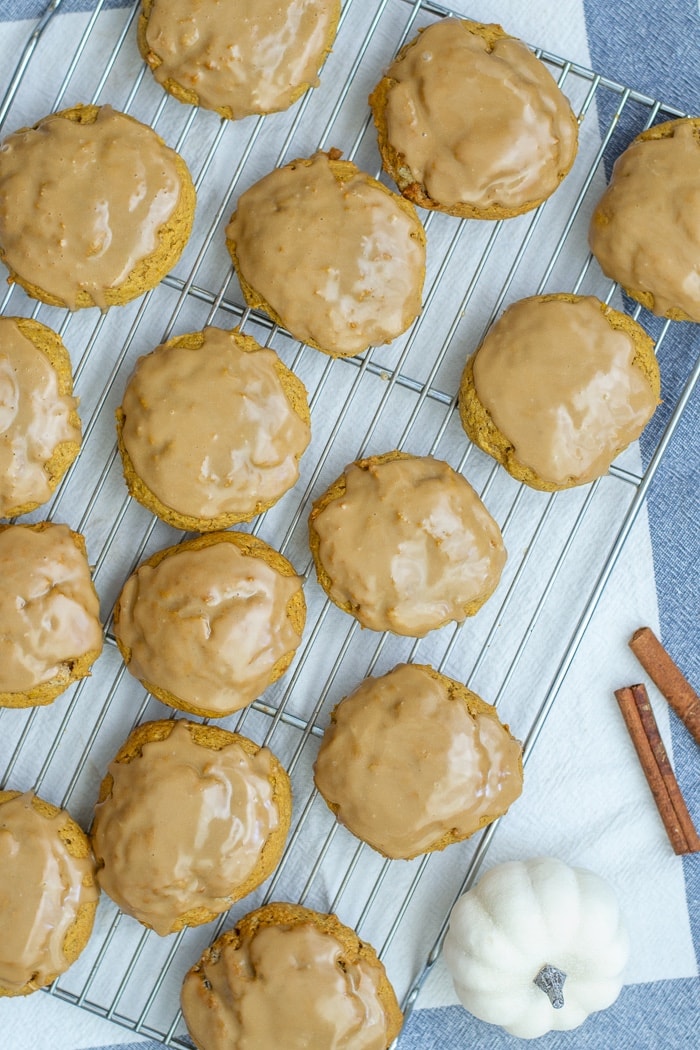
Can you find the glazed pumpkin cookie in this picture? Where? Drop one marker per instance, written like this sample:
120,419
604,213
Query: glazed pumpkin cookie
645,231
225,442
330,254
414,761
404,544
50,631
48,892
189,819
471,123
285,968
560,385
39,423
207,625
237,57
94,208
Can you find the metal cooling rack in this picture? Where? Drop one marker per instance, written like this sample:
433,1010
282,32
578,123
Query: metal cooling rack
562,547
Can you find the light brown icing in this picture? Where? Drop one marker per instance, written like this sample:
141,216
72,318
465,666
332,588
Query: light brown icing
252,55
183,826
82,204
207,625
645,231
34,419
404,764
42,889
339,262
559,382
478,125
49,611
224,439
409,545
286,979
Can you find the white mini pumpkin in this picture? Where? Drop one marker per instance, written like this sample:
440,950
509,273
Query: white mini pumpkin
524,930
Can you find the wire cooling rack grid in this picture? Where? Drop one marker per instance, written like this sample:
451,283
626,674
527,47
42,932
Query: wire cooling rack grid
402,396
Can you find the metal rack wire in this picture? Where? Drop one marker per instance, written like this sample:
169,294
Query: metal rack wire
399,396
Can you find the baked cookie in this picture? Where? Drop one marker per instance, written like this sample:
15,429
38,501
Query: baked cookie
330,254
94,208
47,889
189,819
414,761
206,626
471,123
237,57
404,544
560,385
50,631
645,230
39,423
287,969
225,443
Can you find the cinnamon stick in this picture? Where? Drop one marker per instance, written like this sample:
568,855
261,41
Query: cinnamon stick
668,678
636,710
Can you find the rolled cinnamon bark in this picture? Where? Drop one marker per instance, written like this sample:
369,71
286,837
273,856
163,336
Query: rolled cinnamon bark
641,724
668,678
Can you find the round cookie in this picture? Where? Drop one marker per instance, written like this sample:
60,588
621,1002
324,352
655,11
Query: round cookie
471,123
95,209
225,443
285,968
207,625
237,57
189,819
404,544
48,891
414,761
39,424
645,230
330,254
50,630
559,386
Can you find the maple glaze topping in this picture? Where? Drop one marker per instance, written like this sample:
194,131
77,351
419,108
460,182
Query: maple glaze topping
403,763
410,545
224,439
34,419
207,625
183,826
250,55
478,125
286,979
82,204
341,262
49,612
42,889
559,383
645,231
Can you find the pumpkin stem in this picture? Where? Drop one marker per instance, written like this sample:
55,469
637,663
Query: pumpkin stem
551,980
